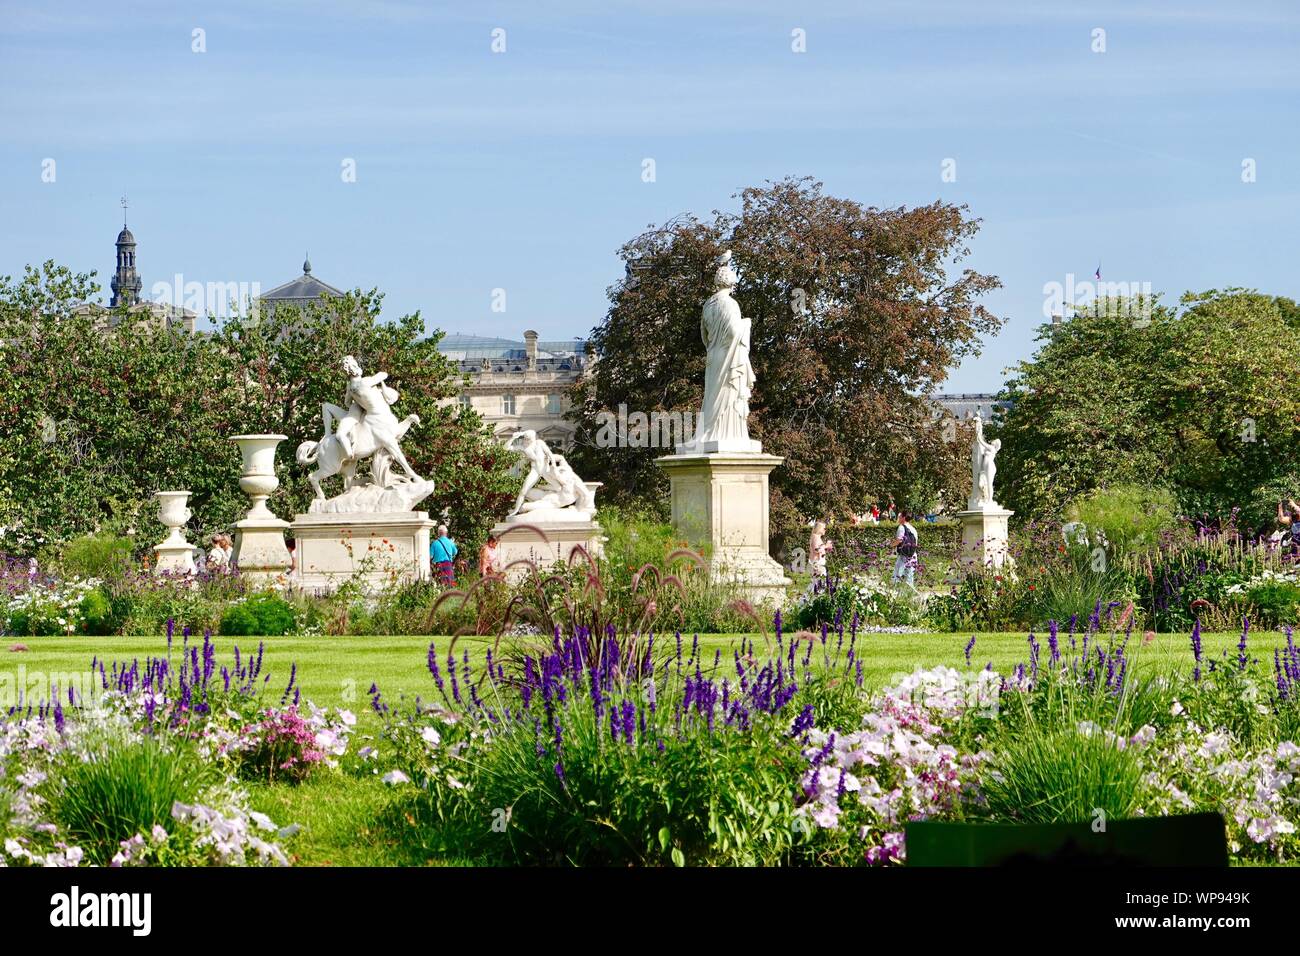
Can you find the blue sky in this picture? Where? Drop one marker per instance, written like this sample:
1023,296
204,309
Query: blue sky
523,170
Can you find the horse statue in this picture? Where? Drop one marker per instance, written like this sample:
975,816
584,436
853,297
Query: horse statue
367,429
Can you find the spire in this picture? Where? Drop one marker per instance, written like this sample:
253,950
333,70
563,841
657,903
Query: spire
306,264
126,282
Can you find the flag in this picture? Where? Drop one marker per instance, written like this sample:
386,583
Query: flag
1097,274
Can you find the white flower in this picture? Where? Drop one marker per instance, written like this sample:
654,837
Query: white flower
262,820
394,777
1176,709
431,736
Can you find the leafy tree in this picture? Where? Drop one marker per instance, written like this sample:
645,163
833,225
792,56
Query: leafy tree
855,317
99,410
1195,398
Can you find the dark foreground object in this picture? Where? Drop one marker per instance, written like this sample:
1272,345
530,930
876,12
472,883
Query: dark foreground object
1196,839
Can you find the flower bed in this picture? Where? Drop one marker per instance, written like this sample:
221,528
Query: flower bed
149,767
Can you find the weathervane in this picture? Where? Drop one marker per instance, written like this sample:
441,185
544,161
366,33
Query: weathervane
124,204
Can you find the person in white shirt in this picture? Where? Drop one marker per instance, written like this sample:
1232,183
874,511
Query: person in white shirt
818,548
905,549
219,556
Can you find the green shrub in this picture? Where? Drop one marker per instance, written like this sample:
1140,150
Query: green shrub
262,615
1268,600
122,788
864,596
103,556
1072,588
1132,517
100,614
987,600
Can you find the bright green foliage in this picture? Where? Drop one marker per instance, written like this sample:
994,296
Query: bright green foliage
1196,398
103,556
1131,517
95,416
265,614
1059,775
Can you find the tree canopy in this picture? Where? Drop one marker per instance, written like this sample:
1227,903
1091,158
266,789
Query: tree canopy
1197,398
100,410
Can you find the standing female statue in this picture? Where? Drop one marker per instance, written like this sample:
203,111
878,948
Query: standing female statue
983,467
723,423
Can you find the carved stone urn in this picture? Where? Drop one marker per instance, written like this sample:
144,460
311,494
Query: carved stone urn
260,551
175,555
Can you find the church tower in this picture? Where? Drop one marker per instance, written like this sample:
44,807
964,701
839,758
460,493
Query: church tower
126,281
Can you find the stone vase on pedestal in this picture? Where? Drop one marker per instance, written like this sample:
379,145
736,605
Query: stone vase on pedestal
720,505
984,536
175,555
260,551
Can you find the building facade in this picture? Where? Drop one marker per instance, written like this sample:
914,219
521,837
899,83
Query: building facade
962,404
517,385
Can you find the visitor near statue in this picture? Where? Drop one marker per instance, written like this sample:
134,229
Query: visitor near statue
905,542
818,549
442,552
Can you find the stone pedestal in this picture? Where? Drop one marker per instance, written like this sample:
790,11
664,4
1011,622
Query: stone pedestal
544,538
984,536
260,552
381,549
720,506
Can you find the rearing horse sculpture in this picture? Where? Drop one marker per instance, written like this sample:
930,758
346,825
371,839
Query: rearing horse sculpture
367,429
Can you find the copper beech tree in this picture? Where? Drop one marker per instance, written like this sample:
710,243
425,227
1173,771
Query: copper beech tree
858,314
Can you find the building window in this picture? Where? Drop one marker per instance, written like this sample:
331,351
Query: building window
507,405
552,404
465,403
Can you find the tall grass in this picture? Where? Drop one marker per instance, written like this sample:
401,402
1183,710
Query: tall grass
120,788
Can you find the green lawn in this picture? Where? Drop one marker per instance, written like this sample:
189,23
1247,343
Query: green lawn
348,821
338,671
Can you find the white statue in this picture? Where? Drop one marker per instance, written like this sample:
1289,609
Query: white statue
983,467
723,422
366,428
562,491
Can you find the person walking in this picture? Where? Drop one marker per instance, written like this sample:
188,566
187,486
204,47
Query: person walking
905,550
442,551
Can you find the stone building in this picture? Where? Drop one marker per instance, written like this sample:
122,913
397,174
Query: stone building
301,292
961,404
127,284
520,385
